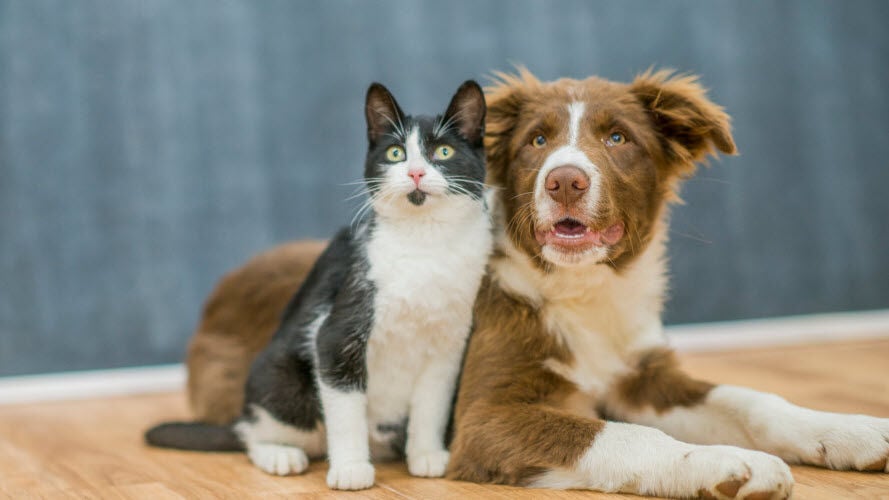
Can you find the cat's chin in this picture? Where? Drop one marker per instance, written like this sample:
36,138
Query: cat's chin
417,197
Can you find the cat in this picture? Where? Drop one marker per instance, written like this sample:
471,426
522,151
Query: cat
366,359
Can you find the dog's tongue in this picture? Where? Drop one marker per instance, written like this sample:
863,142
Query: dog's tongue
569,227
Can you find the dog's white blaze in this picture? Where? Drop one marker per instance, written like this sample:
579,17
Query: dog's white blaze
575,113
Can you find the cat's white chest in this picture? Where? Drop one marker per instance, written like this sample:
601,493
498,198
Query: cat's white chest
426,279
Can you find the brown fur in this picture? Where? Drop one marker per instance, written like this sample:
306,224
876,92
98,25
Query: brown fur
658,382
239,318
668,120
509,426
513,417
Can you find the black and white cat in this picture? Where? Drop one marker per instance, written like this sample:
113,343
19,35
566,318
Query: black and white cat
367,356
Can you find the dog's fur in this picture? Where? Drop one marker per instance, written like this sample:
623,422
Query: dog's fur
568,354
568,381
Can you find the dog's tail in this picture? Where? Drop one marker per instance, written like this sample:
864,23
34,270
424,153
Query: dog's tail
197,436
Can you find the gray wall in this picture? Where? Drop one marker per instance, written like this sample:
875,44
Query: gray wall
147,147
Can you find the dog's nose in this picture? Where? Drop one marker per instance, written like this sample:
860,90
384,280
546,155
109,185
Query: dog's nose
566,184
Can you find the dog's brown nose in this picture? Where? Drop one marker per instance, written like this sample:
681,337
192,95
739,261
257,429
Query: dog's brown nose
566,184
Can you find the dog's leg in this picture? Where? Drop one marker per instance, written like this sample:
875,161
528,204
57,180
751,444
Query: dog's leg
660,395
538,445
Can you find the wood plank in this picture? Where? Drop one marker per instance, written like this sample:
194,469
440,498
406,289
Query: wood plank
94,449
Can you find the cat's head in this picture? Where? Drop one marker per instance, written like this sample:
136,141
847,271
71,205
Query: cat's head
423,163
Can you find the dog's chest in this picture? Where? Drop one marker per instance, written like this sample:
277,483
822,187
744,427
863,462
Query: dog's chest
426,281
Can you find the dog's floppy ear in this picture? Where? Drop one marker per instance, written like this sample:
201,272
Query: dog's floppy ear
506,97
689,124
381,112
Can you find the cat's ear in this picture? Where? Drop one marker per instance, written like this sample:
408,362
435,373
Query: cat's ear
466,112
381,111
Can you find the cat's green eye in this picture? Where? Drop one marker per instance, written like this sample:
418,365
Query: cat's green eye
615,139
443,152
538,141
395,154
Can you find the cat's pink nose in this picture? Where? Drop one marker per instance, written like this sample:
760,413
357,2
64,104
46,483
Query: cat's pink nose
416,174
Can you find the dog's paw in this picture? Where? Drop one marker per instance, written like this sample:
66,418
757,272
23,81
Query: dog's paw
350,476
729,472
278,459
845,442
428,463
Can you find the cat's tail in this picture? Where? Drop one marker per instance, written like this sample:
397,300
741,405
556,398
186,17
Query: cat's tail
197,436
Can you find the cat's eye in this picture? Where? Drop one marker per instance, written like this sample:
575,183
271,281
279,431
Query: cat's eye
443,152
395,154
615,139
538,141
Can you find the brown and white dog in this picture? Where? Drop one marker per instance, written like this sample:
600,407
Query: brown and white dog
568,380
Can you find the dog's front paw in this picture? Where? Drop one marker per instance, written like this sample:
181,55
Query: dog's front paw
855,442
428,463
729,472
350,476
278,459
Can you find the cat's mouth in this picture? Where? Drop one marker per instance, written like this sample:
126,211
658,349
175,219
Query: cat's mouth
417,197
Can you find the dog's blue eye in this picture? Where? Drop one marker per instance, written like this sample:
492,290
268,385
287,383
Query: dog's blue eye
616,139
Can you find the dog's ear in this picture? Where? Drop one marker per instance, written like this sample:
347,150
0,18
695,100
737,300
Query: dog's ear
689,124
506,97
381,111
467,112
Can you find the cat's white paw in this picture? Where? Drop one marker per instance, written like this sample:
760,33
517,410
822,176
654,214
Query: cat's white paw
278,459
729,472
350,476
428,463
845,442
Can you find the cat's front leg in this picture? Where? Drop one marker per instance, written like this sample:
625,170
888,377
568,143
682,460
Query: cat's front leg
431,401
345,416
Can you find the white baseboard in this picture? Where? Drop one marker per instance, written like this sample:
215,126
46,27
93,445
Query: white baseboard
722,336
91,384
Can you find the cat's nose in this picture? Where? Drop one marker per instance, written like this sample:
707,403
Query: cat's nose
416,174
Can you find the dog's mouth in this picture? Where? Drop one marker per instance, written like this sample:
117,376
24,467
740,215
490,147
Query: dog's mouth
573,235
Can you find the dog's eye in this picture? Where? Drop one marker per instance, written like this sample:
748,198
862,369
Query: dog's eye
538,141
395,154
615,139
443,152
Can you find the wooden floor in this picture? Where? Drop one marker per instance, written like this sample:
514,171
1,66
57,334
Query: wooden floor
94,449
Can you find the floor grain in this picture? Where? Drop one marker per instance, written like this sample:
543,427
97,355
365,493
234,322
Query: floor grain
94,449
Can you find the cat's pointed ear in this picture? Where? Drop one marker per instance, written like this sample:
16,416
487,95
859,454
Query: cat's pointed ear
382,112
466,112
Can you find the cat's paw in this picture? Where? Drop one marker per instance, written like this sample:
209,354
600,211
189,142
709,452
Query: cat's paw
729,472
350,476
278,459
855,442
428,463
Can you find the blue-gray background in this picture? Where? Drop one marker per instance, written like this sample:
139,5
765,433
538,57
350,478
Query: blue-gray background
148,147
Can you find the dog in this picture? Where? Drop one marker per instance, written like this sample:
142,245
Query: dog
568,380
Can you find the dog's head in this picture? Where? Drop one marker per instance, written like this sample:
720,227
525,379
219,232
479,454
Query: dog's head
586,166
